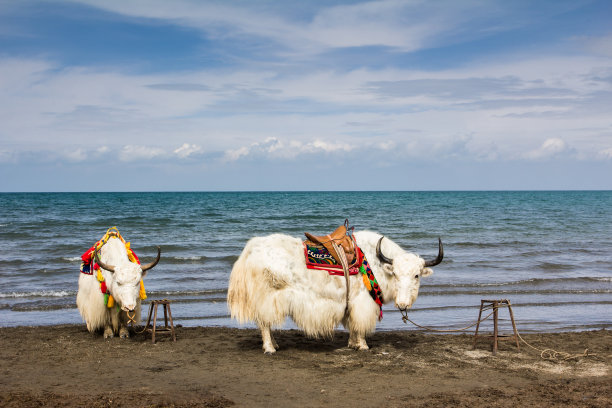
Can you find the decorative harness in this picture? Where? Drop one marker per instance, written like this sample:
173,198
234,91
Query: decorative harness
89,265
318,257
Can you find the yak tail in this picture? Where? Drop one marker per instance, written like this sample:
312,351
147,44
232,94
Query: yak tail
238,291
253,292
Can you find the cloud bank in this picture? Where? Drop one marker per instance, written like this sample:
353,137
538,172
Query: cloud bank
463,82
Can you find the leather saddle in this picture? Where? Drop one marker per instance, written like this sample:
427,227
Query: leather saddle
341,238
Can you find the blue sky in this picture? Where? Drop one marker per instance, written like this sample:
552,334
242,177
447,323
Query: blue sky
305,95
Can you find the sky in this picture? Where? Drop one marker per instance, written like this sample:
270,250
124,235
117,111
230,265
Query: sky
253,95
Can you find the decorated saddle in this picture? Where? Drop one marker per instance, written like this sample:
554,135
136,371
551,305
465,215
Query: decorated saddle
319,253
89,266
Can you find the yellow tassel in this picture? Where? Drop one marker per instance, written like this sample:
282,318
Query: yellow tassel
143,293
100,276
111,301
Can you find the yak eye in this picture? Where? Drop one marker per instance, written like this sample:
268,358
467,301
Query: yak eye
416,276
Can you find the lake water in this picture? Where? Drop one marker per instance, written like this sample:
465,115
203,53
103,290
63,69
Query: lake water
548,252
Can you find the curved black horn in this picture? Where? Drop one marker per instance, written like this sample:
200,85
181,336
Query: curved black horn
380,255
96,258
152,264
439,257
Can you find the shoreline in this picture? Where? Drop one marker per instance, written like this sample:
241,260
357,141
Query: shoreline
66,366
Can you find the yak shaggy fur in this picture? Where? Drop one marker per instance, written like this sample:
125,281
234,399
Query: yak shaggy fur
123,285
270,281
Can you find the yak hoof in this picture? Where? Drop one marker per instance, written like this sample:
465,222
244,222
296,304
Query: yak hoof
108,333
269,350
359,346
124,334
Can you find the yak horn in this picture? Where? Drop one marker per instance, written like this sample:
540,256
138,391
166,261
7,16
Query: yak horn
109,268
380,255
439,257
152,264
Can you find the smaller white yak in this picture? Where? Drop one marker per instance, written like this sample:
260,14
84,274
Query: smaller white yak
270,281
122,279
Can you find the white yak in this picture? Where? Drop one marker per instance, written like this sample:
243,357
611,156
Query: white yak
122,279
270,281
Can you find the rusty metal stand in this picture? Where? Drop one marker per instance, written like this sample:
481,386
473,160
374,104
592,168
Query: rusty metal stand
495,305
167,316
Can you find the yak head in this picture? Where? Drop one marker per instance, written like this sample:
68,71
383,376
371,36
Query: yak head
125,284
407,270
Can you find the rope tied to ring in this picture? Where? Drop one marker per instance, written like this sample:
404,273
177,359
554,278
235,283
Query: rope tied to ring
405,318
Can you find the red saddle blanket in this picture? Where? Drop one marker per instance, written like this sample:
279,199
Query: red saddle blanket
318,257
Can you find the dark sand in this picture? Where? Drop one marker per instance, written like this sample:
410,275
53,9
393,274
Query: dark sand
65,366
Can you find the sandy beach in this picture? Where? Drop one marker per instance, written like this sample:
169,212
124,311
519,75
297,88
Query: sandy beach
65,366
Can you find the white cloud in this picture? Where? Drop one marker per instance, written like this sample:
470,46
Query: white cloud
599,45
505,104
187,150
130,153
102,150
406,25
269,109
606,153
6,156
235,154
273,148
81,154
549,148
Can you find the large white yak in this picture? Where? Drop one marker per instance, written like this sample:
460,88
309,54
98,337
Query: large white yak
270,281
122,279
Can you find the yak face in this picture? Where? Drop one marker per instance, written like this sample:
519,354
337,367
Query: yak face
407,270
125,279
125,285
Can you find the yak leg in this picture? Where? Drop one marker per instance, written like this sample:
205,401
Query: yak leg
269,345
124,333
108,331
122,322
357,341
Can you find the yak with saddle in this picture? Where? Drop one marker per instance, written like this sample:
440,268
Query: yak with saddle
342,277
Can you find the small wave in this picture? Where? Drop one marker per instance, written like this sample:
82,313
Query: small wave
515,292
186,292
44,293
550,266
530,281
224,316
195,300
41,308
189,258
71,258
538,304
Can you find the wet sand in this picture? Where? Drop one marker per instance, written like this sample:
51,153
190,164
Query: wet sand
65,366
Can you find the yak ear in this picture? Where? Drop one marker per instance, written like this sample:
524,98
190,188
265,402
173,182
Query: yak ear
388,268
427,272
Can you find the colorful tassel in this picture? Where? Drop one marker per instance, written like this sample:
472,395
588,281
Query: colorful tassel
142,292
